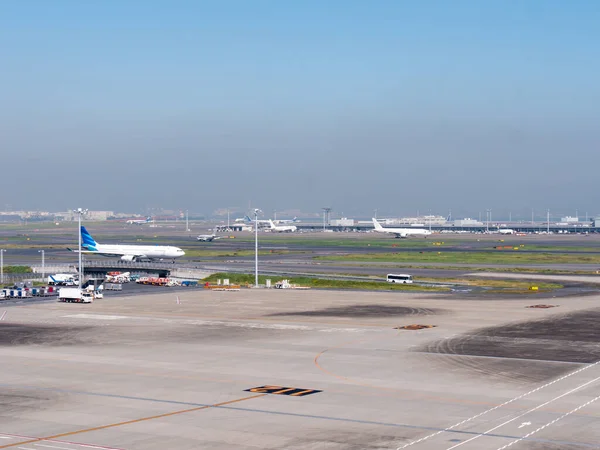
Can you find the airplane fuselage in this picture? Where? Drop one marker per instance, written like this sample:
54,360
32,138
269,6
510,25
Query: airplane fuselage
141,251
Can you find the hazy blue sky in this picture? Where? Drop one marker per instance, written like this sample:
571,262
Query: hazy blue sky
396,105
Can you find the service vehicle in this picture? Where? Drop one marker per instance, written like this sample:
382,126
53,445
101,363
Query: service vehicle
75,295
399,278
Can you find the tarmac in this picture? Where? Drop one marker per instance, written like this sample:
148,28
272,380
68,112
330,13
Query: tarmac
285,369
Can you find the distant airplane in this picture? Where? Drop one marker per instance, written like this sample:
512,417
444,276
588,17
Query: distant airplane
208,237
506,231
139,221
247,219
282,228
401,232
285,221
127,252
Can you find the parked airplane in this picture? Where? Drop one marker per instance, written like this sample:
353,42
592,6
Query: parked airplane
139,221
208,237
506,231
282,228
128,252
401,232
285,221
247,219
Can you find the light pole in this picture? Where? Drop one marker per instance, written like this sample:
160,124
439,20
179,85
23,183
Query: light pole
80,212
43,264
187,227
548,221
2,265
256,211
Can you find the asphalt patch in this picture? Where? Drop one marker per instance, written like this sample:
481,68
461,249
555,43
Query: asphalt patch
14,334
548,343
14,401
365,311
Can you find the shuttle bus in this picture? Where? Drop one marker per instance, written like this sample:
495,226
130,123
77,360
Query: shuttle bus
399,278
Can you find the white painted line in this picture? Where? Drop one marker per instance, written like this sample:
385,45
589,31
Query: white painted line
53,446
550,423
408,444
97,316
525,413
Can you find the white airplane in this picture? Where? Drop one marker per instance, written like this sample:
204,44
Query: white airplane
139,221
285,221
128,252
282,228
401,232
248,220
506,231
208,237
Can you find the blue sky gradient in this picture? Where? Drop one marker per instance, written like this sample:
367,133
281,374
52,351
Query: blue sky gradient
395,105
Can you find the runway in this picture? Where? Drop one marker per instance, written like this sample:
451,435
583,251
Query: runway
222,370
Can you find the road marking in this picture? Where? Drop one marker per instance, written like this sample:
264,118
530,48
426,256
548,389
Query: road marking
282,390
3,315
550,423
408,444
525,413
96,316
129,422
524,424
52,446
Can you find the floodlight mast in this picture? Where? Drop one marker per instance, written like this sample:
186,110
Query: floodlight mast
256,211
80,212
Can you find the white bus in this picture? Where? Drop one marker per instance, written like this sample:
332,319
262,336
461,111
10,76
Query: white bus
399,278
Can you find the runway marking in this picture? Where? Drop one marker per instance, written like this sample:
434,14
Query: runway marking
96,316
282,390
450,428
526,412
20,436
129,422
321,418
550,423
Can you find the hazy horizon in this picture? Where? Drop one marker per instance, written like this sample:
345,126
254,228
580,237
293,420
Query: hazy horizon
395,106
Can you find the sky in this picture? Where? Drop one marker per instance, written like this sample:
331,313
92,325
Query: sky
400,106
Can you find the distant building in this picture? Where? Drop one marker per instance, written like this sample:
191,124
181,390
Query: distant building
343,222
569,219
91,215
415,221
467,222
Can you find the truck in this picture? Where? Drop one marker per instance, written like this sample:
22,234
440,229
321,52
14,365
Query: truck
62,279
75,295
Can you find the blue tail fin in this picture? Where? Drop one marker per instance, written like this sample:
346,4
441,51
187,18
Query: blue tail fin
247,219
87,241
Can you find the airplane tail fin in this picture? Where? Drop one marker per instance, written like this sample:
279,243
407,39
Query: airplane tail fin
87,241
295,219
377,224
272,224
247,219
